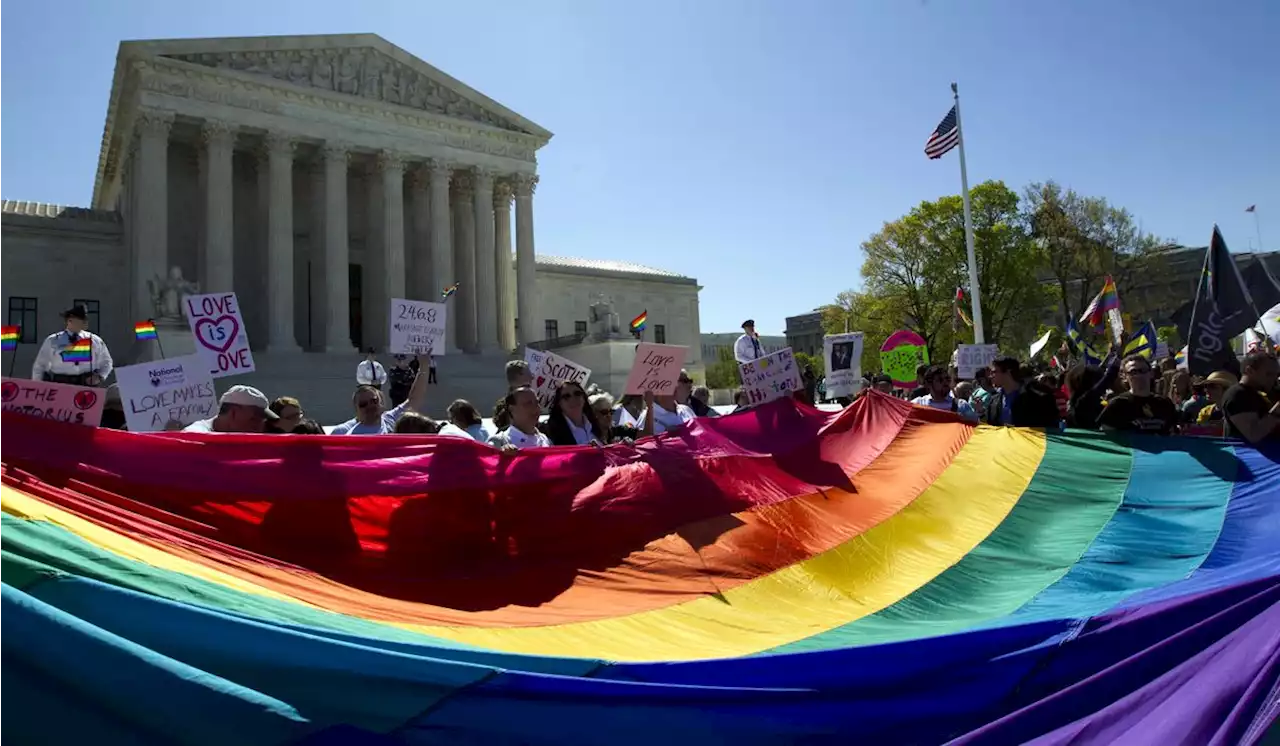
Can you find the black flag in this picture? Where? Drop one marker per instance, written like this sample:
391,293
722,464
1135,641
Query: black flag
1222,311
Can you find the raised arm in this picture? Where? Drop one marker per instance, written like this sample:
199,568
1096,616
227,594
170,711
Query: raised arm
418,391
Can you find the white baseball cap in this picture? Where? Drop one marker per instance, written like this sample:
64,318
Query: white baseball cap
248,396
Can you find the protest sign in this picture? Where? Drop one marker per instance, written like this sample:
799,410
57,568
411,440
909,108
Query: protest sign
79,405
656,369
219,331
901,354
972,358
179,389
770,377
549,371
417,327
843,354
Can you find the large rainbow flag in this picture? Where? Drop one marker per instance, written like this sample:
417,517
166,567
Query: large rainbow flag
884,575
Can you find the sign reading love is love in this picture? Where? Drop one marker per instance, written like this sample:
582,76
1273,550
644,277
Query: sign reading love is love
79,405
219,331
549,371
657,368
901,354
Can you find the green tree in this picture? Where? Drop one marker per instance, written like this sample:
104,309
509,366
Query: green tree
914,265
816,362
723,373
1169,335
1084,240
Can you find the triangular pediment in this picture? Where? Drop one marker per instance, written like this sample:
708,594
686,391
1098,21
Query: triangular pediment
363,66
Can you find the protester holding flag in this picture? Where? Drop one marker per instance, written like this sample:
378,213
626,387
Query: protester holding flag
1250,413
74,355
1140,409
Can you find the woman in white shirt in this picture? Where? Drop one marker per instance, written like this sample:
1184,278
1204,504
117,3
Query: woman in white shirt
522,407
666,414
569,423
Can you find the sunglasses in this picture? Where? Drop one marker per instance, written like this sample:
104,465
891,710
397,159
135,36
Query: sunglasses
566,396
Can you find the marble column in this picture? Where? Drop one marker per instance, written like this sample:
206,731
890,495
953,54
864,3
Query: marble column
486,267
391,165
442,270
279,150
531,327
423,286
464,256
505,268
337,272
315,253
151,223
217,270
374,302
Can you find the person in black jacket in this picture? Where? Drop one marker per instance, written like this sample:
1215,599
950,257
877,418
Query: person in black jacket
569,423
1087,385
1018,401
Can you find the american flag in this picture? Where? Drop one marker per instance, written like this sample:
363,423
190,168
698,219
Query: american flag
944,138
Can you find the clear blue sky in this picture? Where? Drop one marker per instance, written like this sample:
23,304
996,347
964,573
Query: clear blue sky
752,144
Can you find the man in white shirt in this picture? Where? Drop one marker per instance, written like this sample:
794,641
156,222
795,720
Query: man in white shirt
748,348
243,409
370,372
57,362
666,414
372,418
938,381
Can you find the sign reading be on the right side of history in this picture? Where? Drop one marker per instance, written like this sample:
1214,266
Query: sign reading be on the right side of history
770,377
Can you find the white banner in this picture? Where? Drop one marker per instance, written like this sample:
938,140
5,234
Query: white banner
154,394
971,358
843,359
221,340
417,327
549,371
1039,344
770,377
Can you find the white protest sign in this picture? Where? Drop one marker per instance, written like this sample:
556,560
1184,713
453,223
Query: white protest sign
843,357
971,358
549,371
417,326
154,394
770,377
219,331
656,369
1039,344
79,405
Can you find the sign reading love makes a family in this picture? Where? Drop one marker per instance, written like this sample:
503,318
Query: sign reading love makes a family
656,369
770,377
78,405
549,371
417,327
176,389
219,331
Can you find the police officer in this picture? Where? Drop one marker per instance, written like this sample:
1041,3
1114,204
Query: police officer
51,364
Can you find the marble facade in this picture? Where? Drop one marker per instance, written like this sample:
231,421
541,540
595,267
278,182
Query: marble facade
274,166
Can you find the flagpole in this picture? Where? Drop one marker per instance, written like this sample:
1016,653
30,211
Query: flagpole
975,293
1257,227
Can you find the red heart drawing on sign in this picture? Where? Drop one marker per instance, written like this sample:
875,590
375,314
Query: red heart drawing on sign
84,400
218,334
541,380
9,391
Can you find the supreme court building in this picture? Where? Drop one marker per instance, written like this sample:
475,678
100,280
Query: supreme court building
317,177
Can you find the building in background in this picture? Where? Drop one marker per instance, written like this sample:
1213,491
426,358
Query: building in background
804,333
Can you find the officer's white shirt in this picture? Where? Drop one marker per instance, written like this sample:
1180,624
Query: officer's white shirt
744,351
49,358
370,373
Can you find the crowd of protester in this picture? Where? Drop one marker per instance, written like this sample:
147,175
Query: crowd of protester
1122,395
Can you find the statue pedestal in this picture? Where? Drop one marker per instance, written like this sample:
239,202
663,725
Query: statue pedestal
175,339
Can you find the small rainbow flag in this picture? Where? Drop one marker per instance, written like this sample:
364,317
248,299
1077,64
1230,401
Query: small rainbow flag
10,337
81,351
1107,300
638,323
444,294
145,330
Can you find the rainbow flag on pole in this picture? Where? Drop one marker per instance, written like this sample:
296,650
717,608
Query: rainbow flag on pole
1106,300
80,351
10,337
639,322
444,294
145,330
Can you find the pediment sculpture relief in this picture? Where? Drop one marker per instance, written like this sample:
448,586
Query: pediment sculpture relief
364,73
